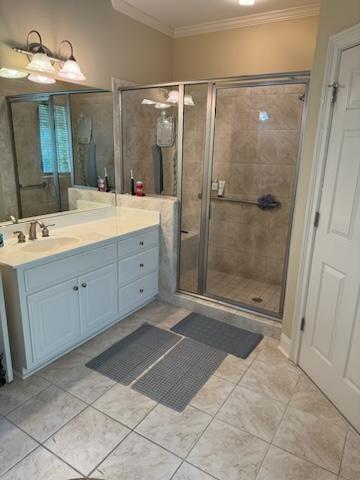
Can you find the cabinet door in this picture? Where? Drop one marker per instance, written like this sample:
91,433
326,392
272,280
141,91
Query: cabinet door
98,299
54,320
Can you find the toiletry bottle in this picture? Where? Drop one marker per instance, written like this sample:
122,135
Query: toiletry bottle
221,188
139,188
106,178
215,185
132,183
101,185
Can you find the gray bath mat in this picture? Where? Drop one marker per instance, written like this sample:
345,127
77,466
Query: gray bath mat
127,359
179,376
219,335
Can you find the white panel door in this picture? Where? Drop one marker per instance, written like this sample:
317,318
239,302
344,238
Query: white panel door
54,320
330,349
98,299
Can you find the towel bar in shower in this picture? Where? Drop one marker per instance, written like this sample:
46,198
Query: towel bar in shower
271,205
32,187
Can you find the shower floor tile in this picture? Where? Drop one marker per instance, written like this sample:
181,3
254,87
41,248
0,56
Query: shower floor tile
236,288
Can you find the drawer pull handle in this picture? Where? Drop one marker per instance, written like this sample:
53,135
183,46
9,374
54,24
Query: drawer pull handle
84,285
141,243
141,290
141,265
76,288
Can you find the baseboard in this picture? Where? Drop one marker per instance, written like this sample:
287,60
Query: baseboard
284,345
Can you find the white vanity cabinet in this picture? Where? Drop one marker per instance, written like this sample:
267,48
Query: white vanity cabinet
59,302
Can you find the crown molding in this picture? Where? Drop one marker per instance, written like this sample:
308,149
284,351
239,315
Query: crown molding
123,7
227,24
249,20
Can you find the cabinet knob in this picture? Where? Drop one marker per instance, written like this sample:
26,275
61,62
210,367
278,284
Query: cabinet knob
84,285
141,265
141,243
141,290
76,288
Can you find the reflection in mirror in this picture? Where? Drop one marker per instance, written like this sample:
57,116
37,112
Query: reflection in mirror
149,121
50,142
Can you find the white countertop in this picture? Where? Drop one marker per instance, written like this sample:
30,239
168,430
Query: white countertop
73,238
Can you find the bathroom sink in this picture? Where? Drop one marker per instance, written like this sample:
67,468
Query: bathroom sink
49,244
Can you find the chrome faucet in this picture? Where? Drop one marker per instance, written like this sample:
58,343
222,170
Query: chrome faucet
13,219
44,228
32,229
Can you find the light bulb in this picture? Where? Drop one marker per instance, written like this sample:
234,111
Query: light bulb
247,2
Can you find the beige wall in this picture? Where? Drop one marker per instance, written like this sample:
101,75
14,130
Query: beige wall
273,47
335,15
106,42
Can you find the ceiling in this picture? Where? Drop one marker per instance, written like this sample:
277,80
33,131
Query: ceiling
186,17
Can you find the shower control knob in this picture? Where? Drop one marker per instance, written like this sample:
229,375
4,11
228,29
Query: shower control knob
76,288
141,265
141,290
141,243
84,285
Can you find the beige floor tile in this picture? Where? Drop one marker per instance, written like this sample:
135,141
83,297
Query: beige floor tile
253,412
45,413
308,398
125,405
188,472
85,383
41,465
232,369
270,353
350,466
14,445
228,453
177,432
281,465
137,458
85,441
18,391
313,438
59,369
277,382
212,395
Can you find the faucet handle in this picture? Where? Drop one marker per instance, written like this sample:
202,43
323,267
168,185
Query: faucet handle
21,236
45,228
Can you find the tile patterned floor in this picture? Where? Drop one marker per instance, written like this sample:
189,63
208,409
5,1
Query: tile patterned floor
255,419
236,288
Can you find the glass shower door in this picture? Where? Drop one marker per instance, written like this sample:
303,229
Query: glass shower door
255,149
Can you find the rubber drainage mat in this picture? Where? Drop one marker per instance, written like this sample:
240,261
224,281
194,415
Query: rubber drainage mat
178,377
220,335
128,358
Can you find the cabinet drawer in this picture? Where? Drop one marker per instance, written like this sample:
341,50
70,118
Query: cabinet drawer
70,267
138,265
138,292
138,243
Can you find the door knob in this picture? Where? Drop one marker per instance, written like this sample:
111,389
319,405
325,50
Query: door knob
76,288
84,285
141,290
141,243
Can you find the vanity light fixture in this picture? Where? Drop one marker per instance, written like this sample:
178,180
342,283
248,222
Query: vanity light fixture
40,62
173,97
12,73
246,2
38,78
71,69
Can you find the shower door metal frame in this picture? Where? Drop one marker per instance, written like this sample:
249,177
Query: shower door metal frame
206,195
214,84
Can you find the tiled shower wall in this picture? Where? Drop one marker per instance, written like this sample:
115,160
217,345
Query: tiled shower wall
139,135
255,158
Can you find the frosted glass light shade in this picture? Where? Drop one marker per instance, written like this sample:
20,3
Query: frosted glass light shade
247,2
173,97
40,62
12,73
188,100
161,106
41,79
71,71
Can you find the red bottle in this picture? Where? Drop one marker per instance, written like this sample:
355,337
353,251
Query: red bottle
139,189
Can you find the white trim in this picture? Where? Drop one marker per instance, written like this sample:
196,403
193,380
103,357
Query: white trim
337,43
284,345
248,20
226,24
4,337
142,17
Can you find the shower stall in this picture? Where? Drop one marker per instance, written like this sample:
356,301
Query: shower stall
232,161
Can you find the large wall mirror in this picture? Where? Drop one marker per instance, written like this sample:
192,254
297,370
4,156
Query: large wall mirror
50,142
